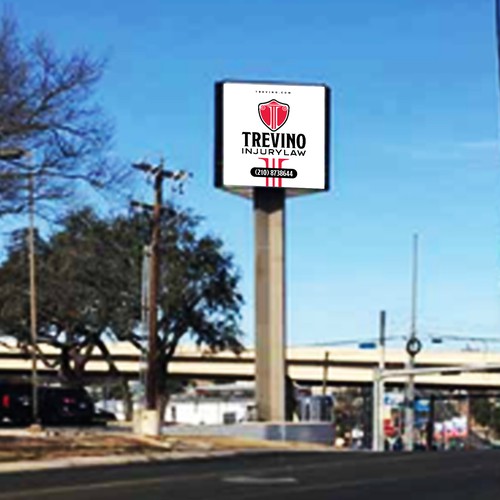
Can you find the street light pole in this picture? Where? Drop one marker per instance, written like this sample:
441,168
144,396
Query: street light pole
33,297
379,390
410,386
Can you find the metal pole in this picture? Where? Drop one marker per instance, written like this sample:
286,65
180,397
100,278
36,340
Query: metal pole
152,373
468,440
382,328
430,423
33,298
375,410
325,373
381,386
378,390
410,388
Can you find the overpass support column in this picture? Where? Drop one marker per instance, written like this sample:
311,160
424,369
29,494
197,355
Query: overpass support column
269,216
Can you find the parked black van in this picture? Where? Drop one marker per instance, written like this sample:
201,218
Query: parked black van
56,405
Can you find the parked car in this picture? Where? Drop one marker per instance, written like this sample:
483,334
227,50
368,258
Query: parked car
15,403
60,405
57,405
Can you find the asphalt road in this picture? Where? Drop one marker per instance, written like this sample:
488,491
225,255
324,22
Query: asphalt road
318,476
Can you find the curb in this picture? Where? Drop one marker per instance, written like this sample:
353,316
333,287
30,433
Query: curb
153,457
73,462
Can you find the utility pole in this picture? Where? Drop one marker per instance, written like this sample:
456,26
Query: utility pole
159,175
410,387
154,279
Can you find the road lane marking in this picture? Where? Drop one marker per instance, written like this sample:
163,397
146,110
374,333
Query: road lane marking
258,480
356,483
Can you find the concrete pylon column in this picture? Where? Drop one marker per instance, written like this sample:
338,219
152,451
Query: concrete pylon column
269,214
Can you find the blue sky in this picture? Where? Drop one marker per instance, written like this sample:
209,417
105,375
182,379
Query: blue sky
414,142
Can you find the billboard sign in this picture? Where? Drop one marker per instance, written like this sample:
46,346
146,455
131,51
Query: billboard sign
273,135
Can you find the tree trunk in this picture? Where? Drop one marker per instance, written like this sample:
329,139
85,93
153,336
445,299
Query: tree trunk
161,405
127,400
162,396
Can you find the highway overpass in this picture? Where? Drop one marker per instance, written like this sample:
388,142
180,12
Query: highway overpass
306,365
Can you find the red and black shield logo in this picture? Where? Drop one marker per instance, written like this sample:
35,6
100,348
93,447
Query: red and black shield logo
273,114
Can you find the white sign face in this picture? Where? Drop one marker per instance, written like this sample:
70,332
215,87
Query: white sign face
272,135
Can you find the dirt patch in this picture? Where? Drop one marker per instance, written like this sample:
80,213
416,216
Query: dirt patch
47,446
13,448
220,443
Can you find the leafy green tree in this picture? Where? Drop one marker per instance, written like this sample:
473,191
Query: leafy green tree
486,412
199,295
14,286
481,410
72,294
90,290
